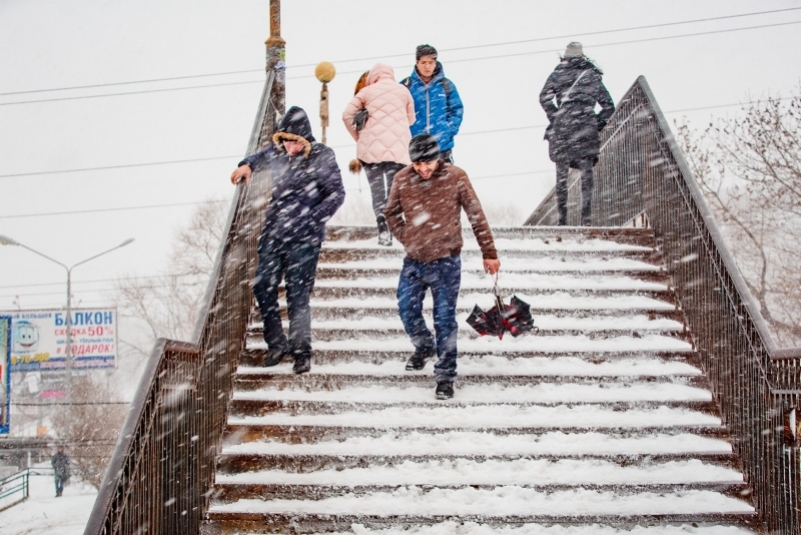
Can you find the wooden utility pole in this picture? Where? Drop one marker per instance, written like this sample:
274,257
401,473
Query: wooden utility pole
276,62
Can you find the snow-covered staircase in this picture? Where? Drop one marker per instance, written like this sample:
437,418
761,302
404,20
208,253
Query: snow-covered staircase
601,423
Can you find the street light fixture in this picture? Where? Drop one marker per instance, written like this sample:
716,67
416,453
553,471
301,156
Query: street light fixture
5,240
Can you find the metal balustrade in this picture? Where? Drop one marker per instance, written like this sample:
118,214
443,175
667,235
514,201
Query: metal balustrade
162,469
643,178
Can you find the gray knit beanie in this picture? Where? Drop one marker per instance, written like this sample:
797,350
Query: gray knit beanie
574,50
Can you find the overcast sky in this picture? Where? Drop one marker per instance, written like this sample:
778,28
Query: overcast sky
205,121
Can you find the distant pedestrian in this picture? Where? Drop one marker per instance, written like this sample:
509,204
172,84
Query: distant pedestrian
424,213
569,98
306,191
61,469
382,135
438,107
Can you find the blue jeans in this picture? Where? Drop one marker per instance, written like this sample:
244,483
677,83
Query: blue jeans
297,264
444,277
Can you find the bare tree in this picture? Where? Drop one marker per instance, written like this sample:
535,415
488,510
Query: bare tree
90,427
749,169
167,305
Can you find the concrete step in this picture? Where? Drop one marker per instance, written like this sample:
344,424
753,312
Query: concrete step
495,506
238,463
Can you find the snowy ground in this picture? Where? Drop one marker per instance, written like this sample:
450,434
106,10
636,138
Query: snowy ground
42,513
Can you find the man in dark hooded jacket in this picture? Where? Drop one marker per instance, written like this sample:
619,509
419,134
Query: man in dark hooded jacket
569,98
306,191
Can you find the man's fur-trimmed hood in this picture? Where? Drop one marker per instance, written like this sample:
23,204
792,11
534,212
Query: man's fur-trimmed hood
294,126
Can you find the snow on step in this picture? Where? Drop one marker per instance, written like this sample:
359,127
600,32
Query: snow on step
556,300
451,416
492,393
499,502
525,472
508,244
535,281
522,344
621,407
495,366
544,322
512,265
450,527
470,443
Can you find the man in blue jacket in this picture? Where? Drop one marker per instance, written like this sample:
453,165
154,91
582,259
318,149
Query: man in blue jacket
437,104
306,191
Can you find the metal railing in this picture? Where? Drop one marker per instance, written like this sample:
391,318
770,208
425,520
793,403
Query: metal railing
12,485
642,175
162,470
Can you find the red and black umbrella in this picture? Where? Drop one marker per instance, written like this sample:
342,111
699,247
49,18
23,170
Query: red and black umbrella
514,318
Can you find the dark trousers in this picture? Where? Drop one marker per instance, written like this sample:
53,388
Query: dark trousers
447,155
379,176
297,264
585,168
60,479
443,277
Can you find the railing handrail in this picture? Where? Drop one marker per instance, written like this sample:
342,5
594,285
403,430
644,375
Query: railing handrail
253,144
22,487
125,442
752,305
756,385
190,380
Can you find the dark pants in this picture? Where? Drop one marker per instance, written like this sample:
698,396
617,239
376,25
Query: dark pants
60,479
297,264
379,176
444,277
585,168
447,155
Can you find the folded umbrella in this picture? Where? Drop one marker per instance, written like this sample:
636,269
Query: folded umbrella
515,317
489,322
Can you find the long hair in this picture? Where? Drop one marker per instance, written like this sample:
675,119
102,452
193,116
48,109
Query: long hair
362,82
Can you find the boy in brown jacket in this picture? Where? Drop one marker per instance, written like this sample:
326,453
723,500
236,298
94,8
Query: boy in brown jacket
423,212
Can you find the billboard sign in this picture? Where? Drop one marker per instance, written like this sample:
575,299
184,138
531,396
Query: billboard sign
39,339
5,374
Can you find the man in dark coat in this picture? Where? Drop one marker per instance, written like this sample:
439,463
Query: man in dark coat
569,98
61,468
306,191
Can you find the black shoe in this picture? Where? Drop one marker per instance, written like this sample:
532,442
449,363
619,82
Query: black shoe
302,364
444,390
418,360
384,236
274,356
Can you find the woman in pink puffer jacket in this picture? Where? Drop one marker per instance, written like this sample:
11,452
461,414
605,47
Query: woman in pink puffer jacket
382,145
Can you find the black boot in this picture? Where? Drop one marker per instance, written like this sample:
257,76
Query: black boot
384,236
418,360
302,364
444,390
274,356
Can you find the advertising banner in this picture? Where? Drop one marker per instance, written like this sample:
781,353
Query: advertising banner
39,339
5,374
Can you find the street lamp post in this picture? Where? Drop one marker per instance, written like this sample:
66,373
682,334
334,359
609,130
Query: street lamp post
5,240
324,72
